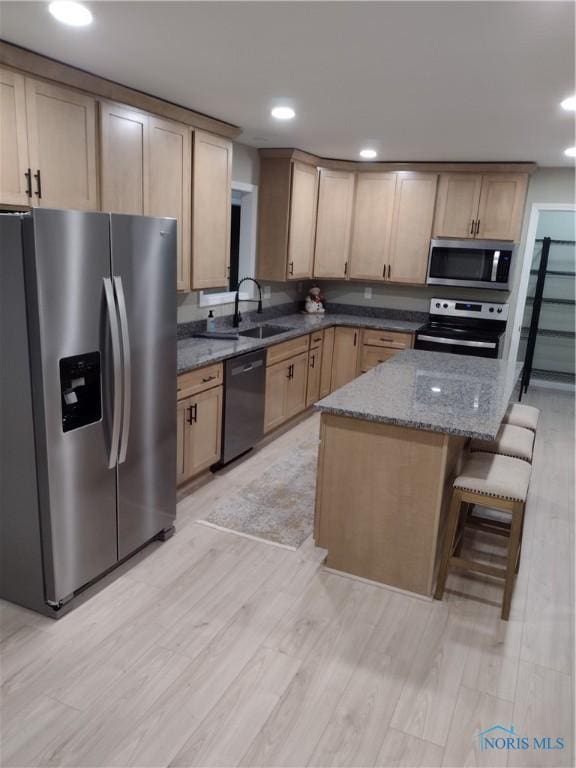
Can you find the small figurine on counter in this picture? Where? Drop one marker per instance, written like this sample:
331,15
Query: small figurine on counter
314,301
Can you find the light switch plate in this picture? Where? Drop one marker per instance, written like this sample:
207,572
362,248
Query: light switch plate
368,292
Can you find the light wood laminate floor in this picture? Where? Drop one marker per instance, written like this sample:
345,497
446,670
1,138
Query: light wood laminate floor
216,650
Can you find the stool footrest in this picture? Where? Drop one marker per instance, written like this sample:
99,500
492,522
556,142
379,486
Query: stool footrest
498,527
470,565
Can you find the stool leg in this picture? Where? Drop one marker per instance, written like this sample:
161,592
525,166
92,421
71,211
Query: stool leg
453,518
521,540
466,511
513,548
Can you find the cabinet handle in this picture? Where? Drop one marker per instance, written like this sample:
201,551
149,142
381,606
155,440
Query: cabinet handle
388,271
345,267
477,226
391,341
472,227
384,272
355,337
28,176
206,379
290,371
291,268
38,184
312,361
193,413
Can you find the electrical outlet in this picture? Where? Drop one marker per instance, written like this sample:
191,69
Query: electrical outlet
367,292
267,292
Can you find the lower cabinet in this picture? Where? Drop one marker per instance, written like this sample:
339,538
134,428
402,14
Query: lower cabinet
345,357
286,390
314,374
327,357
199,433
379,346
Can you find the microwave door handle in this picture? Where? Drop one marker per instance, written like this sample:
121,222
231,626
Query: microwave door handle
117,369
127,368
495,260
457,343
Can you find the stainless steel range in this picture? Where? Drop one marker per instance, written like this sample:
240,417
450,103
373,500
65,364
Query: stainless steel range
464,327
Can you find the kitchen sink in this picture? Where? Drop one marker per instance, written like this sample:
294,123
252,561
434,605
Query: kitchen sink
264,331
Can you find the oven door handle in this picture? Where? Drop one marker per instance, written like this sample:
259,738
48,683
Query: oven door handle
454,342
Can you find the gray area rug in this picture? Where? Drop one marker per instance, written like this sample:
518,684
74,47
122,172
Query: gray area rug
278,506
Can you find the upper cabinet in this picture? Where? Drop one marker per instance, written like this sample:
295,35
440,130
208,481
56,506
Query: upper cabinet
15,178
487,206
47,145
211,204
286,219
372,225
123,159
411,227
333,223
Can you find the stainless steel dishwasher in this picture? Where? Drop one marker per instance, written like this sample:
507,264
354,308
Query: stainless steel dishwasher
244,394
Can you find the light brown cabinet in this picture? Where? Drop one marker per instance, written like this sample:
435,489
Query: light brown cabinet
211,202
414,203
487,206
286,219
286,390
314,374
379,346
372,225
124,162
333,223
345,356
199,433
327,357
47,145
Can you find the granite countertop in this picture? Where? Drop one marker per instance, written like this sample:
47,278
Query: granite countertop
434,391
196,352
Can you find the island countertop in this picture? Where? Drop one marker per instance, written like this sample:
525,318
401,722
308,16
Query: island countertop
433,391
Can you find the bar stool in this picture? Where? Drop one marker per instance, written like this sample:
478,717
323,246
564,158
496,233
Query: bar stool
522,416
496,482
513,441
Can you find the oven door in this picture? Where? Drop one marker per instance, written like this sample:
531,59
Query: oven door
471,263
474,347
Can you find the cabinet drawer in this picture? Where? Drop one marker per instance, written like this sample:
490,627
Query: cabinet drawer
373,356
196,381
287,349
391,339
316,339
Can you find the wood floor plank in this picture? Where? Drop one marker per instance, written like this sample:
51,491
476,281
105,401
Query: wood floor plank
400,750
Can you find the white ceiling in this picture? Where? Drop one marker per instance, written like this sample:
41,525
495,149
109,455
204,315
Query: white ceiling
416,80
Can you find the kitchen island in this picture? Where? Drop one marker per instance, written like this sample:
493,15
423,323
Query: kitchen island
391,443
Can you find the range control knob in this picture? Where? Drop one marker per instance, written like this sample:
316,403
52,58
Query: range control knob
445,306
499,309
491,309
437,305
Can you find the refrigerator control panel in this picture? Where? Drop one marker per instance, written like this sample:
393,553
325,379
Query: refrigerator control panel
81,391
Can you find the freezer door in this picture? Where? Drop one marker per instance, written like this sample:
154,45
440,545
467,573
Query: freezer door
144,275
67,259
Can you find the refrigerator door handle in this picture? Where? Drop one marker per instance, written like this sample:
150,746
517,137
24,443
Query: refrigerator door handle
127,368
117,366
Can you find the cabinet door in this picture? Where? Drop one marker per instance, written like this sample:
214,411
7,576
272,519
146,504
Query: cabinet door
169,185
13,140
412,227
314,373
457,205
327,356
276,394
304,192
333,223
62,146
345,362
203,434
372,225
123,163
211,210
501,206
297,385
182,413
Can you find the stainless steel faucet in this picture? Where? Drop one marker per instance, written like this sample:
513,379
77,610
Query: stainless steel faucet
237,317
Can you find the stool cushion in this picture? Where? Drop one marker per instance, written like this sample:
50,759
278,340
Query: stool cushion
522,416
494,475
510,441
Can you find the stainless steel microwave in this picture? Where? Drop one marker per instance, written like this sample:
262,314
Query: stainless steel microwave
470,263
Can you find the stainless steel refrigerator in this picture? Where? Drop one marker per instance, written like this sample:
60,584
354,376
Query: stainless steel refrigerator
87,396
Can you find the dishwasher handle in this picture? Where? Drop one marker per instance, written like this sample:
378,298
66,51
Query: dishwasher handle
246,368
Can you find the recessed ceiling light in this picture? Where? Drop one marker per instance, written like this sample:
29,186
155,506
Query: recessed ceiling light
571,151
368,154
569,104
283,113
71,13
